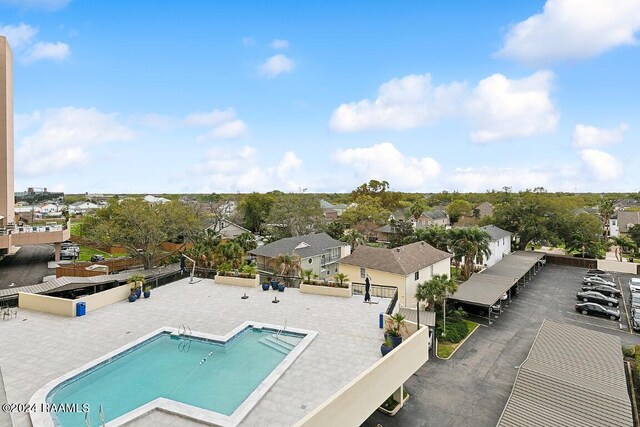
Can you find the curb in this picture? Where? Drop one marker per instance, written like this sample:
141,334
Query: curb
459,344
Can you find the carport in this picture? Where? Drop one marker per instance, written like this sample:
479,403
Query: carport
486,288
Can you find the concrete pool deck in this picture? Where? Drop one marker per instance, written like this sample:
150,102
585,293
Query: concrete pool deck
39,347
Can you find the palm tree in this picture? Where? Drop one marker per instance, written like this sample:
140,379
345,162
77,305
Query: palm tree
606,210
434,290
417,209
353,238
341,278
231,253
623,244
435,235
470,244
307,274
288,265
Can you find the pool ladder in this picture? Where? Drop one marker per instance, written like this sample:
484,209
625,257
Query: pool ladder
183,329
87,418
281,329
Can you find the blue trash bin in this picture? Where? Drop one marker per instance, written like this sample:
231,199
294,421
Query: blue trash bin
381,320
81,309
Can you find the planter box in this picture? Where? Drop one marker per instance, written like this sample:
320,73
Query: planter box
325,290
395,410
238,281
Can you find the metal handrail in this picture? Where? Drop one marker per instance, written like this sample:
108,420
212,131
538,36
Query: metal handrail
281,329
102,415
87,420
392,304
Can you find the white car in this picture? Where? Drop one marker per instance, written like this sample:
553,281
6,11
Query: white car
634,284
595,280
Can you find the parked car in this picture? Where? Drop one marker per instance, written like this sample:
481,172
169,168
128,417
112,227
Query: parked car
604,290
597,272
598,310
634,284
597,280
635,319
597,297
478,309
96,258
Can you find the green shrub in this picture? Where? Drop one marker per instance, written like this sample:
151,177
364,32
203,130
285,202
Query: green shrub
628,351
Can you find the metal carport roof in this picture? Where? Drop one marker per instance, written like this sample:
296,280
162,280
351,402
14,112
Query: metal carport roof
572,377
487,287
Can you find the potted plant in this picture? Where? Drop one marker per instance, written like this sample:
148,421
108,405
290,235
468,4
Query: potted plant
275,284
341,278
224,268
249,270
136,281
308,275
281,287
147,291
395,327
132,295
386,347
266,286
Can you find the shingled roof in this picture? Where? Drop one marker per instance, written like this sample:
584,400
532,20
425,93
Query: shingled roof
626,218
403,260
305,246
496,233
572,377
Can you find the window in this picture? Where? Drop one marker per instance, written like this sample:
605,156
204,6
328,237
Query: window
363,273
310,260
416,275
498,242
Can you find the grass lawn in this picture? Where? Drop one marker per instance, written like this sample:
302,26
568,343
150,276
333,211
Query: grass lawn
446,349
74,229
86,252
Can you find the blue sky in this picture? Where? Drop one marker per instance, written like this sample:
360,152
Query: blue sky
198,96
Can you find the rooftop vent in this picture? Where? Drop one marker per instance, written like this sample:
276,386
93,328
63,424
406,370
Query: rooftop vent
302,245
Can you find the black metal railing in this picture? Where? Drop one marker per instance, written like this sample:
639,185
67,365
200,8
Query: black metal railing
380,291
392,304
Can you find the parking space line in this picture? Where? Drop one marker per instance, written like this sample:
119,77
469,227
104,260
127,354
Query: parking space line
576,315
626,312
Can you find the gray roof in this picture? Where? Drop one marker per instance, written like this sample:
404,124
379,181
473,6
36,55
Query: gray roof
325,205
403,260
67,282
496,233
487,287
625,218
385,229
310,245
436,214
427,318
571,377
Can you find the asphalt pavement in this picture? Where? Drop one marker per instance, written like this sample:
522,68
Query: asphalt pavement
472,387
27,267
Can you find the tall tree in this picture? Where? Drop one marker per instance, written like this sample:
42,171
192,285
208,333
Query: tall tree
417,208
141,227
401,230
437,236
459,208
435,290
295,214
623,244
605,210
230,253
470,245
255,209
634,234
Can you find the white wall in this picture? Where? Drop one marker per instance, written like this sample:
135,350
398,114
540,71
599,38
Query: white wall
614,231
499,249
410,284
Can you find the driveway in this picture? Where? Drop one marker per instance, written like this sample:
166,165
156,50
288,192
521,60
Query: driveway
27,267
473,386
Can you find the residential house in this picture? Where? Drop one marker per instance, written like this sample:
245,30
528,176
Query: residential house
384,233
318,252
403,267
621,221
330,210
500,244
482,210
79,208
228,230
433,217
155,200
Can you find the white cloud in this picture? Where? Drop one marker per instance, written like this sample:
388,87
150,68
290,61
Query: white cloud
276,65
224,122
501,108
230,130
402,103
210,118
573,29
49,5
602,166
19,36
480,179
64,138
45,50
590,136
280,44
243,169
385,162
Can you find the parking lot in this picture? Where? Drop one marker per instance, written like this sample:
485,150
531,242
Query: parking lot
473,386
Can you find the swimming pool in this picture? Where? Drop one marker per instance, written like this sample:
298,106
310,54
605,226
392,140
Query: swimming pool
198,372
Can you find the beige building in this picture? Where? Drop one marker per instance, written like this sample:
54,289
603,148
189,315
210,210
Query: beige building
10,234
403,267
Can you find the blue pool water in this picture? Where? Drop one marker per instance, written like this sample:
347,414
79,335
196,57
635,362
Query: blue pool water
172,367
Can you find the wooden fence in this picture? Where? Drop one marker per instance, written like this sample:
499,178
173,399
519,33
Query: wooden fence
571,261
79,269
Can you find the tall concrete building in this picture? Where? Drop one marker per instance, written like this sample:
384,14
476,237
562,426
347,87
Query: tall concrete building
7,197
12,236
